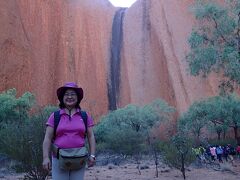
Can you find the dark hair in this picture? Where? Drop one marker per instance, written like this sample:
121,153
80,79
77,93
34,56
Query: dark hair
62,105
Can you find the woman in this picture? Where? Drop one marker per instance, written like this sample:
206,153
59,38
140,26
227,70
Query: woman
70,133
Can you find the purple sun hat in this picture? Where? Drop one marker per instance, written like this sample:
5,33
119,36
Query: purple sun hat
69,85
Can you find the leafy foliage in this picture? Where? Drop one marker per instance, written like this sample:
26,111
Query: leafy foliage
23,142
22,131
177,152
15,109
219,112
215,41
194,120
126,130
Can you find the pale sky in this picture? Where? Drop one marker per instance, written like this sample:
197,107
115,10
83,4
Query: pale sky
122,3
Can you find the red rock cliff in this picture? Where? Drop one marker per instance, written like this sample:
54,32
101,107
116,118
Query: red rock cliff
45,43
155,46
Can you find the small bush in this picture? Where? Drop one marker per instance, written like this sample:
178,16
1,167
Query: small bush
23,142
126,130
177,152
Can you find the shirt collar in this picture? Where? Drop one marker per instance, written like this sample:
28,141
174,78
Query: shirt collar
62,111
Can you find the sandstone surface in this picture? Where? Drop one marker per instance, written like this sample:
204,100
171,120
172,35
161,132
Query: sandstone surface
44,43
155,47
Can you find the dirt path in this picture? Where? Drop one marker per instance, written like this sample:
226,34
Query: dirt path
128,171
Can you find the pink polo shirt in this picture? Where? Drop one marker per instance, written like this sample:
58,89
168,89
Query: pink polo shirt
71,130
213,151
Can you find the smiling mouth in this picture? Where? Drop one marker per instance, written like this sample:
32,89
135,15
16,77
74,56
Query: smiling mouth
70,100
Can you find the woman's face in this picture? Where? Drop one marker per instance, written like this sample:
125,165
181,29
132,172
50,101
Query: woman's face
70,98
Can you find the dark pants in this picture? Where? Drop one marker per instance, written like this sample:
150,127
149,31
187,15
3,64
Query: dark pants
219,156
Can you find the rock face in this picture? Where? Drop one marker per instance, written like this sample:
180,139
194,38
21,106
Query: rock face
155,46
44,43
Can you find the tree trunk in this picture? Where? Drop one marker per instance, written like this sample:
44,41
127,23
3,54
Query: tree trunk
238,33
138,163
198,138
236,134
156,165
224,134
152,148
219,135
183,168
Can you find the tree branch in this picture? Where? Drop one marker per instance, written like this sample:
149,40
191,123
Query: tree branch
238,33
217,28
207,39
221,123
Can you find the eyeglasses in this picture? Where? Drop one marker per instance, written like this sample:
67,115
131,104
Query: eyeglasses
70,94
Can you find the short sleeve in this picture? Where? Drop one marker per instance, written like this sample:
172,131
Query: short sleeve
50,121
90,121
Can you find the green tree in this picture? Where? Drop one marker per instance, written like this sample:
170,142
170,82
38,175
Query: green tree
23,142
177,152
194,120
34,130
22,128
219,112
219,129
224,111
15,109
215,40
126,130
132,118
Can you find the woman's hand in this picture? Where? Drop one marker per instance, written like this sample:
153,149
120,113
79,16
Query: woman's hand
46,148
92,147
46,164
91,161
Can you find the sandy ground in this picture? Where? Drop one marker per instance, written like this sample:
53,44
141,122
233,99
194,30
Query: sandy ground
129,171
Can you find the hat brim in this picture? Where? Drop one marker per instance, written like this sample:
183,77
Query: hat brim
62,90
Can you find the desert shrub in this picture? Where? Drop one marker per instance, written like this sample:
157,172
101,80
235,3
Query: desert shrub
35,130
126,130
23,142
15,109
218,114
14,114
117,136
22,134
177,152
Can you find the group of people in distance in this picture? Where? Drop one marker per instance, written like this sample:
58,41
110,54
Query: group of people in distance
217,152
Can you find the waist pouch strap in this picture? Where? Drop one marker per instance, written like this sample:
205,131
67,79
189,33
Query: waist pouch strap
55,151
